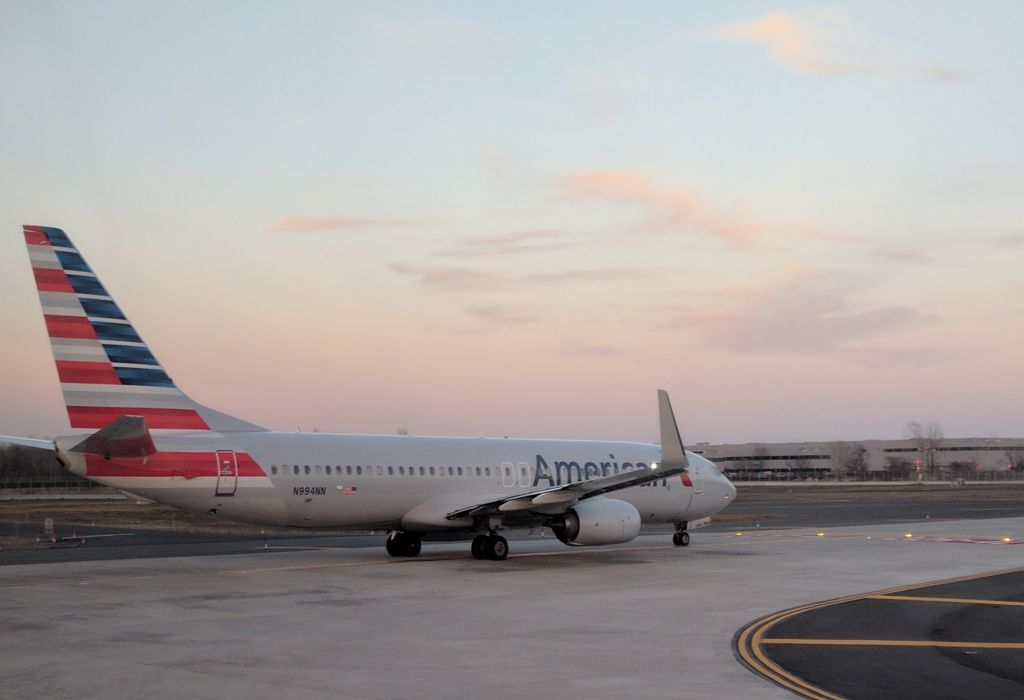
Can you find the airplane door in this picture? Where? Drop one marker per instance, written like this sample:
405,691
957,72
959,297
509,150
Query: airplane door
227,473
524,473
508,474
698,478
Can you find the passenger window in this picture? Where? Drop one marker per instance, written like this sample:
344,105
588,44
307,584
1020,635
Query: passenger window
478,471
307,469
327,470
451,471
318,469
380,471
273,469
401,471
460,471
348,469
421,471
431,471
296,468
391,471
359,470
487,471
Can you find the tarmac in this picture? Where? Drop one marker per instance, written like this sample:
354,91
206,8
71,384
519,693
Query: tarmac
952,639
641,620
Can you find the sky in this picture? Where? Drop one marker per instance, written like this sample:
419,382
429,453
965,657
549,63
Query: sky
803,220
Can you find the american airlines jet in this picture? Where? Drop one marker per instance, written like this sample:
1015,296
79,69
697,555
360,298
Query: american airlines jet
135,430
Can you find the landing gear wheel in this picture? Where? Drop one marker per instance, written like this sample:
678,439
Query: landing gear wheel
394,544
681,539
496,548
479,547
403,544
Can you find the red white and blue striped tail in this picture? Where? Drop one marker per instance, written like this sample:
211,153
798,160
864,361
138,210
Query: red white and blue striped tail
106,370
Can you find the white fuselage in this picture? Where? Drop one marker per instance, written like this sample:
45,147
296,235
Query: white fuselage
360,482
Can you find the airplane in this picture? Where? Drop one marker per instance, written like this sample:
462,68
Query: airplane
135,430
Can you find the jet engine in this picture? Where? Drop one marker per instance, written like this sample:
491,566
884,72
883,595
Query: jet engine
598,521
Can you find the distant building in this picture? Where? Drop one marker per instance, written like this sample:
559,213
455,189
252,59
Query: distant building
950,458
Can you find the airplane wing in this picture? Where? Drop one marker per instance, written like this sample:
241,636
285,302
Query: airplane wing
558,498
6,440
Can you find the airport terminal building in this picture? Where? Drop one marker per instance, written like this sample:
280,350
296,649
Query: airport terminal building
890,460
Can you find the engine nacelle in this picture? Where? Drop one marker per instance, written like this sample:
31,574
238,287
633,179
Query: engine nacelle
598,521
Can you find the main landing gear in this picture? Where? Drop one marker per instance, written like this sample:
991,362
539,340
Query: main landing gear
491,546
681,538
403,544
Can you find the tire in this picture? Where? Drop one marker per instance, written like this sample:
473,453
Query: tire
684,539
402,544
395,544
479,547
497,548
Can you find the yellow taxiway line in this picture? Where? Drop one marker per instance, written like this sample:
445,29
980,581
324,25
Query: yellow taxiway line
931,599
895,643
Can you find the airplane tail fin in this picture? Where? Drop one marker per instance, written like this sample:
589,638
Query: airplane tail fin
106,370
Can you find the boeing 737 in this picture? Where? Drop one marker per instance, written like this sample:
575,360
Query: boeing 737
135,430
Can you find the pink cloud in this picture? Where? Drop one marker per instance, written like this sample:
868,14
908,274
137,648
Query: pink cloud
496,315
301,223
454,279
790,41
811,314
668,209
514,243
448,279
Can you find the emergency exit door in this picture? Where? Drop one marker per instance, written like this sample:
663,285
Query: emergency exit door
227,472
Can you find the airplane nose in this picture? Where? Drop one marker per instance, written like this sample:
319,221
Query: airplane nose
730,490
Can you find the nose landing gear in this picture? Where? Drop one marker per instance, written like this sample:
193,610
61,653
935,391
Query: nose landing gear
681,538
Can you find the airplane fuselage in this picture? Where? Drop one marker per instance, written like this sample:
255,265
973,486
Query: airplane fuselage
361,482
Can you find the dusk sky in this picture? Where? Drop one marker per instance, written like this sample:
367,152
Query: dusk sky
805,221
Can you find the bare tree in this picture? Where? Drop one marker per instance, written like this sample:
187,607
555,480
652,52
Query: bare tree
927,439
20,464
759,458
850,459
963,469
897,467
1015,459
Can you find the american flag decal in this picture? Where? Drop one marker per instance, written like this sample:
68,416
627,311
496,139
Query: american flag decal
348,490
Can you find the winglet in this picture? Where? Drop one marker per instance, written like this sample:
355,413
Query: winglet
672,452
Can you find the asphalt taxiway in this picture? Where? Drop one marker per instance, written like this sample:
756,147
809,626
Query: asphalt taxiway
639,620
948,639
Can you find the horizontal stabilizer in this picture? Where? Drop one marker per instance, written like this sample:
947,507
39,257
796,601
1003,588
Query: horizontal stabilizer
6,441
128,436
